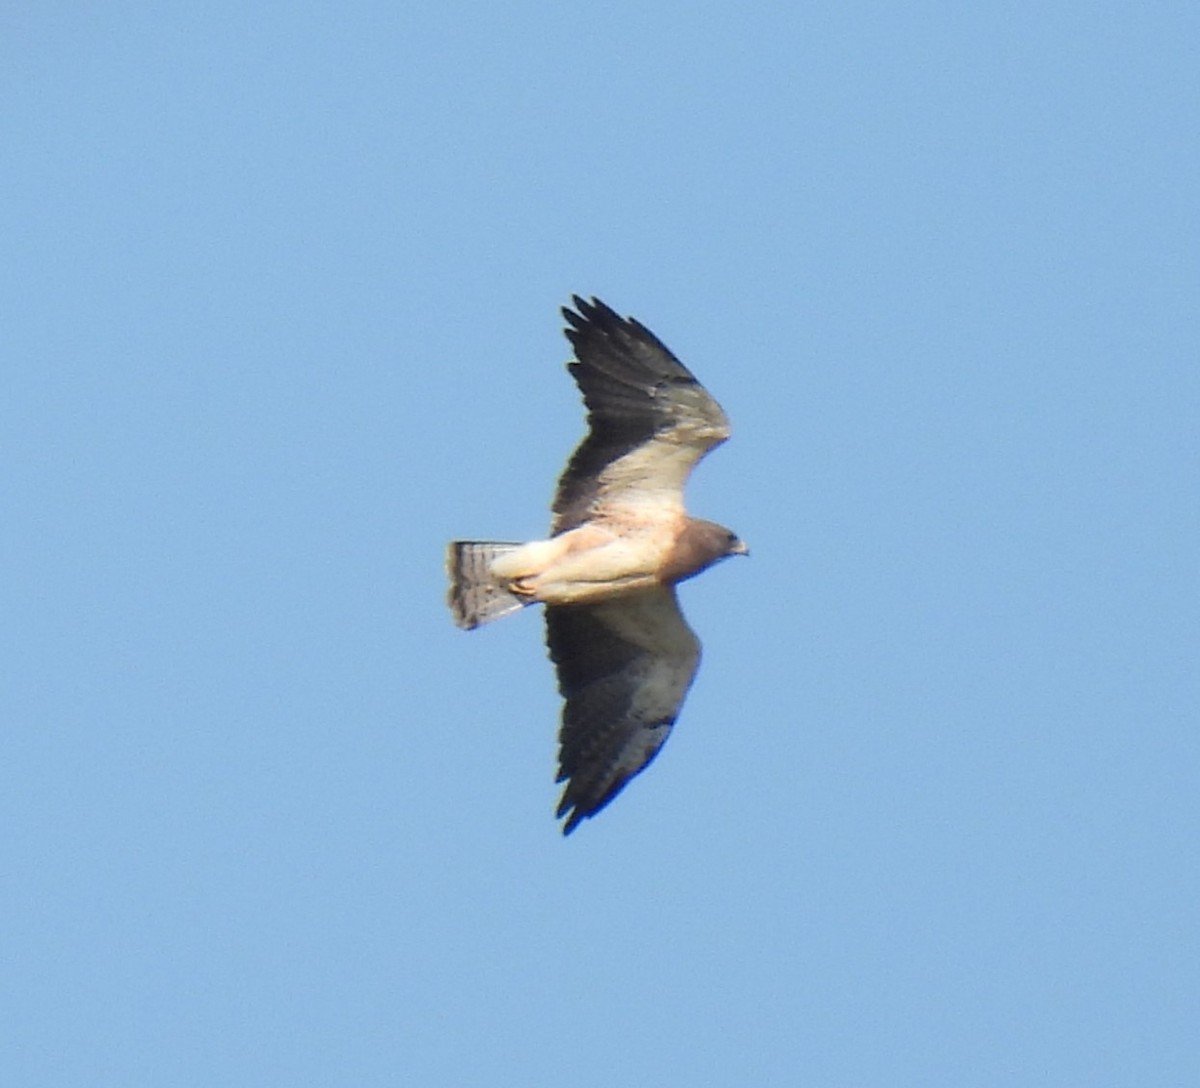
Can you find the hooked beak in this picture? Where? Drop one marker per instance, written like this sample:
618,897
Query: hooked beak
739,548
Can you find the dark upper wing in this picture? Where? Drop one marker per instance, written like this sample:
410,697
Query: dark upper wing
649,420
624,667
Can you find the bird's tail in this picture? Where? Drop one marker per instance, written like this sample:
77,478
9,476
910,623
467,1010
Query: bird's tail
474,597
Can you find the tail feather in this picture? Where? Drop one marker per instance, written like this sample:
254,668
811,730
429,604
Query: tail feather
474,598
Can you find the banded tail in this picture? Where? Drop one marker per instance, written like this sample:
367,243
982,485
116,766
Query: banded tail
474,597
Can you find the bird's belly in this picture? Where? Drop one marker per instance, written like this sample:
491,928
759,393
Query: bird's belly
581,592
597,574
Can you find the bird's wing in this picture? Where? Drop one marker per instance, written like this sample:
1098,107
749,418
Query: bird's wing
624,668
649,421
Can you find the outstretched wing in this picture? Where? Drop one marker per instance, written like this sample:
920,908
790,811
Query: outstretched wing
624,667
649,420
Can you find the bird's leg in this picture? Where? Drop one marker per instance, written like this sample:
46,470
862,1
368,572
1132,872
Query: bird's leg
520,587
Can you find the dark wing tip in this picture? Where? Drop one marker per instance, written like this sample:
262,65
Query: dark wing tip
578,808
602,339
595,311
573,821
592,319
586,795
582,799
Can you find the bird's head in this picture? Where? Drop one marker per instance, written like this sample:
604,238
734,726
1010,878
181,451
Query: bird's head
699,546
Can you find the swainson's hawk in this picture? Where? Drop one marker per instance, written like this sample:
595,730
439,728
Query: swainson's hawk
620,541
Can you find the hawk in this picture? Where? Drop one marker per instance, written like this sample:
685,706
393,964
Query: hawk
620,541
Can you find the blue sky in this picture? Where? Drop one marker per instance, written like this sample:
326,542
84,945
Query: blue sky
281,317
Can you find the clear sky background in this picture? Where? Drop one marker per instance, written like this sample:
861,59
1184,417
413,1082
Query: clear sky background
280,317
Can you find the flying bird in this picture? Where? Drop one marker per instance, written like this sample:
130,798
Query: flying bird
620,540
